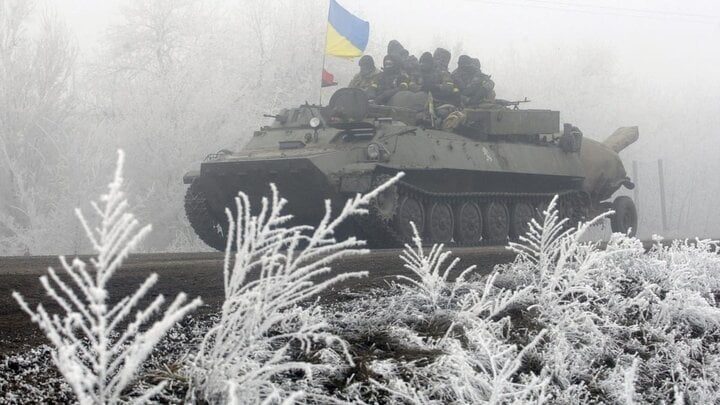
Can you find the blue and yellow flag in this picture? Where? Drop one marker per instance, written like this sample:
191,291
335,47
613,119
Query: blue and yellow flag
347,35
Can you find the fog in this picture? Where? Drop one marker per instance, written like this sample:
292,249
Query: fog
171,81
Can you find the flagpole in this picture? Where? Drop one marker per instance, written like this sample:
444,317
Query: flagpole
324,49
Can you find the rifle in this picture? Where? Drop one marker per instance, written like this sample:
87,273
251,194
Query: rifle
515,104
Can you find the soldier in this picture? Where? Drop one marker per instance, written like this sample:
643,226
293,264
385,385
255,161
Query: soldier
442,59
389,81
395,48
368,72
463,75
431,79
480,88
448,93
411,67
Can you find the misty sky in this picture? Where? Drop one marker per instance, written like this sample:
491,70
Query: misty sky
669,40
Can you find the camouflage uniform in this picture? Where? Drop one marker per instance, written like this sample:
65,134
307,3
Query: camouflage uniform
411,68
389,81
444,90
366,77
479,90
475,86
363,81
463,75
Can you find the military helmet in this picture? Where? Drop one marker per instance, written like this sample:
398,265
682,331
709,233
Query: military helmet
464,61
366,60
394,47
426,59
442,57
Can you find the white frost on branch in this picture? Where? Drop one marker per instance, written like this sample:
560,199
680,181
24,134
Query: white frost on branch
97,357
261,321
433,283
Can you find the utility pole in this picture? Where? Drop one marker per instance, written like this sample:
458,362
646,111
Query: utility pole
661,179
636,192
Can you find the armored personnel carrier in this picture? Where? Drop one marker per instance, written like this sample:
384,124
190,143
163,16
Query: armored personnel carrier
477,181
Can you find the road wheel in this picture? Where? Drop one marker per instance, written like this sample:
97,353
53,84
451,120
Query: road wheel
625,217
409,210
520,217
496,222
468,223
440,222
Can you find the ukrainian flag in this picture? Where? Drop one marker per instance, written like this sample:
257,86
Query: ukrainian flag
347,35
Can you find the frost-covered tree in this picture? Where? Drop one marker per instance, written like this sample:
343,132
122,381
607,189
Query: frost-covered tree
36,99
98,345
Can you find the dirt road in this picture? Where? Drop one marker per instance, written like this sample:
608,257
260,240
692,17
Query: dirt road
197,274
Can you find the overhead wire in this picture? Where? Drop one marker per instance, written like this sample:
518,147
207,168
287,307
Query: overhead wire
635,10
606,10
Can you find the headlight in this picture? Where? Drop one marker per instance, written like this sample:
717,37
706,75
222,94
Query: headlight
314,122
373,151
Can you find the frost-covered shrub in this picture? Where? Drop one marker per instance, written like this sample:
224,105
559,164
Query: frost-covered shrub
262,323
609,310
431,340
433,276
566,322
94,353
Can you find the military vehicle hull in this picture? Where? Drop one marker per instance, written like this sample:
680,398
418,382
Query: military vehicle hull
459,187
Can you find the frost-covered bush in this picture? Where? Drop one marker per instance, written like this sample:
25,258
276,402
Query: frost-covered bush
262,323
429,341
98,346
608,310
566,322
433,275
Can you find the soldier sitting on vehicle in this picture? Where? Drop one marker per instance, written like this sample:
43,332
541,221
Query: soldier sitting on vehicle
463,75
431,80
475,86
389,81
367,75
442,59
394,47
450,93
411,67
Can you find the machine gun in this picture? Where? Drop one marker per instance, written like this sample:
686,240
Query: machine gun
282,117
514,104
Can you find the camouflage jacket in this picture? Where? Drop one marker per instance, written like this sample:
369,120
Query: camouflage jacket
479,90
386,85
364,81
